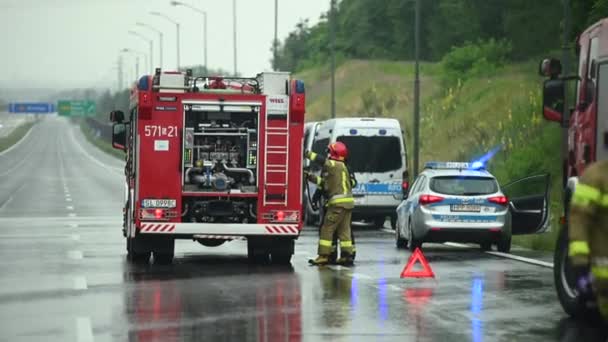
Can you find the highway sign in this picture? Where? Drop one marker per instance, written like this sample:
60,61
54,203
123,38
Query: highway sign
31,107
77,108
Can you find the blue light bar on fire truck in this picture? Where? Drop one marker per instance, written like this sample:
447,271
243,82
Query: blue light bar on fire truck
454,166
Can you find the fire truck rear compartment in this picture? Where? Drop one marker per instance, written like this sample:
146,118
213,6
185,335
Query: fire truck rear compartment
235,210
220,152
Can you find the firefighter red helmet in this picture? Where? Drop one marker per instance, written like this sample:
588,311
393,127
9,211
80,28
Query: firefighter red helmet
338,151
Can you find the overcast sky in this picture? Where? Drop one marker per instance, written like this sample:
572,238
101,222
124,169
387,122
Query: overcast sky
76,43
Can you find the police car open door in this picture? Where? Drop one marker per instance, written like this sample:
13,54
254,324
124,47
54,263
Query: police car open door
529,203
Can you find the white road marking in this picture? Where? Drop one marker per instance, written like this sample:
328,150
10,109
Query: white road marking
80,283
498,254
394,287
361,276
75,237
75,255
95,160
9,200
72,215
507,256
69,207
73,225
68,199
84,330
18,142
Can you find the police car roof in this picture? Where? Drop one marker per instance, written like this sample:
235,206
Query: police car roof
451,172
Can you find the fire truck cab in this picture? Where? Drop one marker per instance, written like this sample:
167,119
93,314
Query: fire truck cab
212,159
586,129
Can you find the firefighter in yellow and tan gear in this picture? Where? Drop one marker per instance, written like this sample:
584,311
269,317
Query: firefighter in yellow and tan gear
335,182
588,234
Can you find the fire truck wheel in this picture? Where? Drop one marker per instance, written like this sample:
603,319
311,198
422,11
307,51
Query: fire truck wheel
257,253
564,282
163,258
282,251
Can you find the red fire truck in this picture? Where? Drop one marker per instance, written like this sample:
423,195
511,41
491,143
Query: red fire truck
212,159
587,136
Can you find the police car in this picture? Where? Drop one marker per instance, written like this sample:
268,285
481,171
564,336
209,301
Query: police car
463,202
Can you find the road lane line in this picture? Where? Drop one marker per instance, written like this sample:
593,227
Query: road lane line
75,255
80,283
507,256
94,159
84,330
71,215
75,237
73,225
68,199
69,207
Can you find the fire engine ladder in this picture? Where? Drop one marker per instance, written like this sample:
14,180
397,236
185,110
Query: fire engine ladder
276,159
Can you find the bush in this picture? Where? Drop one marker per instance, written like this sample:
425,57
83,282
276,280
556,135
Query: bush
473,60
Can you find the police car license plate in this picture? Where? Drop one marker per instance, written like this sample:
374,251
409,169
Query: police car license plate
466,207
158,203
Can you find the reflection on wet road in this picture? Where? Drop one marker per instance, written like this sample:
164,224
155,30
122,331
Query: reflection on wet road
64,275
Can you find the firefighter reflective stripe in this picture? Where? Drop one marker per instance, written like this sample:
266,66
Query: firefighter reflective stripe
600,272
325,243
341,200
313,156
332,163
346,244
345,179
319,181
578,248
604,201
584,195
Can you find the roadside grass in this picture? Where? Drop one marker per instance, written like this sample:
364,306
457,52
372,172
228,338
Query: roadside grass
16,135
99,142
501,111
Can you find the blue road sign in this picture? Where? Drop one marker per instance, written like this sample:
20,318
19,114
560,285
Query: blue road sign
31,107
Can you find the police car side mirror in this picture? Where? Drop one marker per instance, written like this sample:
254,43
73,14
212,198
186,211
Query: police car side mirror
119,136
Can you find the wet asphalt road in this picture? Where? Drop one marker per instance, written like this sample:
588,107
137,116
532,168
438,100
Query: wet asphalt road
63,275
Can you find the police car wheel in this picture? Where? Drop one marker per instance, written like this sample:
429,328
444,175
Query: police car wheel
486,246
400,241
413,242
504,244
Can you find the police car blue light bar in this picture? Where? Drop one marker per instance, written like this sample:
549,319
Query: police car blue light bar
455,165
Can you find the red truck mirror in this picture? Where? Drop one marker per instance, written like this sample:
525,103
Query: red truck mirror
550,67
117,116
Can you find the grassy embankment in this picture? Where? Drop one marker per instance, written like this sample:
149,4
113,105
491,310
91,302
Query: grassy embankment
15,135
459,123
103,145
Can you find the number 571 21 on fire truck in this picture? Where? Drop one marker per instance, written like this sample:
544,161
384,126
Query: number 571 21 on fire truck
212,159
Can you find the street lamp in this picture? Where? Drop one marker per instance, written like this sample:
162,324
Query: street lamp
149,41
160,40
158,14
204,13
137,54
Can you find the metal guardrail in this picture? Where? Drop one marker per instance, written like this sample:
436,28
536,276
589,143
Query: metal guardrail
100,129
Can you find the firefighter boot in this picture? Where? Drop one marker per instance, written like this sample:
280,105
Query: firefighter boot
319,261
346,259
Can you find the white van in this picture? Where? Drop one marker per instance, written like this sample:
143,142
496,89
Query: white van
311,216
378,158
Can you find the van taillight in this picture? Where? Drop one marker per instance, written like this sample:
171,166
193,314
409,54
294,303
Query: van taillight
429,199
502,200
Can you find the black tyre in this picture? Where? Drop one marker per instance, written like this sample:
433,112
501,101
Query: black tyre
400,242
413,242
486,246
163,258
565,284
281,251
280,258
134,255
257,253
379,222
504,244
394,222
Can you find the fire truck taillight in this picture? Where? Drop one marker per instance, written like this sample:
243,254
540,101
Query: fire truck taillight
157,214
282,216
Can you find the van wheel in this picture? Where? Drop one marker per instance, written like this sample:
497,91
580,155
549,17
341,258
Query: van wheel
379,222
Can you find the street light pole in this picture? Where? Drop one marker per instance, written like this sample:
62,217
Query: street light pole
150,42
158,14
160,41
204,13
137,54
234,33
417,91
275,44
332,35
120,72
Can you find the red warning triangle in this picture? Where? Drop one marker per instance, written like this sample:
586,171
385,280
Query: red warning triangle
408,271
